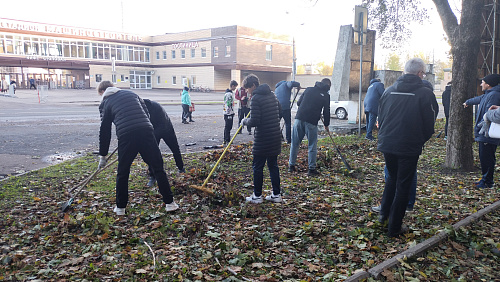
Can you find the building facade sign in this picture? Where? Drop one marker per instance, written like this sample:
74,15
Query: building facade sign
66,30
185,45
45,58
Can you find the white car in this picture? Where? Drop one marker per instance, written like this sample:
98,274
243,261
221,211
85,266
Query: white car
339,109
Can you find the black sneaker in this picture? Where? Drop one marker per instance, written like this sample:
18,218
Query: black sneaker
185,122
191,120
151,182
291,168
404,229
249,132
313,172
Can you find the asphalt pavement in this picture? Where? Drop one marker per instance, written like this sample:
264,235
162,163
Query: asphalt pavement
41,128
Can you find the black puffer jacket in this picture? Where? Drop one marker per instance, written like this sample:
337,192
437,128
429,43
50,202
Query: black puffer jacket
126,110
265,117
406,115
158,117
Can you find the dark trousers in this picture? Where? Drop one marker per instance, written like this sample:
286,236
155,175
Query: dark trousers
228,125
186,114
170,139
446,127
258,174
33,85
287,117
242,113
488,160
397,189
144,143
371,118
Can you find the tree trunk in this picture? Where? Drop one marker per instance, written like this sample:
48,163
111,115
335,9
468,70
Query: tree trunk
465,41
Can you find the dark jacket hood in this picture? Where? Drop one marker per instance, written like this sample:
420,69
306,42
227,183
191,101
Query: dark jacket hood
408,83
374,80
279,83
323,87
262,89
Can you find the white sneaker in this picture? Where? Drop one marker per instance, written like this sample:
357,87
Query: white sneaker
274,198
171,207
119,211
254,199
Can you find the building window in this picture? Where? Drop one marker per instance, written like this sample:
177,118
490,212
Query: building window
173,54
216,52
122,77
193,80
183,54
269,52
228,51
203,52
164,55
158,80
174,80
113,78
98,77
193,53
157,55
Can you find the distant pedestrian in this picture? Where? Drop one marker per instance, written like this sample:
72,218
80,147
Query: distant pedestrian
265,117
407,113
163,129
243,107
283,92
32,83
446,98
490,84
186,103
5,85
375,91
13,83
314,102
229,111
135,135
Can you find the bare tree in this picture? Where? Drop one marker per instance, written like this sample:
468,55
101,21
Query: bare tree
464,38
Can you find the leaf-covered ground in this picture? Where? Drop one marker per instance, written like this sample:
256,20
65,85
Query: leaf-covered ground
324,231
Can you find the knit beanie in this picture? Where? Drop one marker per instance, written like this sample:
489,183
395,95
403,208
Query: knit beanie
492,79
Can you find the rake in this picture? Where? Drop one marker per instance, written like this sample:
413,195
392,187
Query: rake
79,187
337,147
203,187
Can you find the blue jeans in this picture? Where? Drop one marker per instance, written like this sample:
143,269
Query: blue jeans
413,188
397,189
258,174
371,118
300,129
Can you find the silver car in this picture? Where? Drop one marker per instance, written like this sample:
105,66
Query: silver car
339,109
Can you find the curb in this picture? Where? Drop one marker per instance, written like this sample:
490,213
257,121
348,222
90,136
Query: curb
423,246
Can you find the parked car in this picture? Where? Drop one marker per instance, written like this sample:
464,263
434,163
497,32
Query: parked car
339,109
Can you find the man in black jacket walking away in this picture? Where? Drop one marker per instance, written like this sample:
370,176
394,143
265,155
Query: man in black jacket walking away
314,101
407,112
446,98
265,117
135,135
163,129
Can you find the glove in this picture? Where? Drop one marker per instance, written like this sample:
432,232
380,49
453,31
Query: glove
102,162
244,121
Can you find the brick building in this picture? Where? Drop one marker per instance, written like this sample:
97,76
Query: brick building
72,57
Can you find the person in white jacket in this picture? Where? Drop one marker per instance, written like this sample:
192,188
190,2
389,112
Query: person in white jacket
229,111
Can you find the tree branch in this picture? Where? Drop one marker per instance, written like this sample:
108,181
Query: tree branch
448,18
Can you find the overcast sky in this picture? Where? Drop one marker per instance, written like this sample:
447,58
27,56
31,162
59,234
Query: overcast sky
313,24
